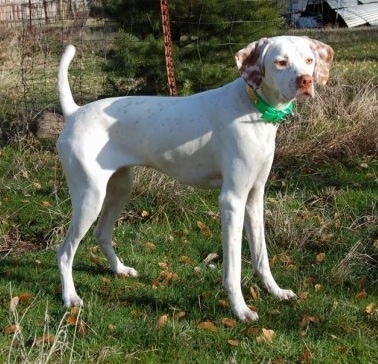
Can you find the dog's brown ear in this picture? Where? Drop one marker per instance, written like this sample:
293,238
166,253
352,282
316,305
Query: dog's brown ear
250,62
323,60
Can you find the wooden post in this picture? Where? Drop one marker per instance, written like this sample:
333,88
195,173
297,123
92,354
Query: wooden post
168,47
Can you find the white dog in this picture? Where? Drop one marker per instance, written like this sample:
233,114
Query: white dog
220,138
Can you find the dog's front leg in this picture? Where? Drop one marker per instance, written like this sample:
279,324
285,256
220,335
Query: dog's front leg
232,214
254,226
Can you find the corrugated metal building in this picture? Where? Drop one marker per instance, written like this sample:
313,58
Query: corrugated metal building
355,13
351,13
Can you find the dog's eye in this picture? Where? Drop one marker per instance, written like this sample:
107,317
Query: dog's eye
281,62
309,60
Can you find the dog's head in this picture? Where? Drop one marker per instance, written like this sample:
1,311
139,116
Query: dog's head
287,64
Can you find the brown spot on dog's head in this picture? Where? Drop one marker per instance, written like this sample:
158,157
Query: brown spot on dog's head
250,62
323,60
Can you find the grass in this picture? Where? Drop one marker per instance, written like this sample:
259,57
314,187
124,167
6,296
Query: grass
321,222
322,234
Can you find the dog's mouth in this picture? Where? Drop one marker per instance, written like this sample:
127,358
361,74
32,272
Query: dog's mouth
306,93
300,92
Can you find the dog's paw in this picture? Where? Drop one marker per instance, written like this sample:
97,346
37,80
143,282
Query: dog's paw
286,294
127,271
244,313
72,301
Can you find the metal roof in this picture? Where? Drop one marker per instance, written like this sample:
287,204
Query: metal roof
338,4
359,14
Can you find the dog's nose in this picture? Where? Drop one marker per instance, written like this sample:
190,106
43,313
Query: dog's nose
304,81
305,85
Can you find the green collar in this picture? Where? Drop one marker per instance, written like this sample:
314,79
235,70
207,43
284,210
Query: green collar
269,113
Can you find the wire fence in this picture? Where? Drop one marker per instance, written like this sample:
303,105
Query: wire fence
32,36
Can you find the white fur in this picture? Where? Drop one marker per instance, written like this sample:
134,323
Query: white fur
212,139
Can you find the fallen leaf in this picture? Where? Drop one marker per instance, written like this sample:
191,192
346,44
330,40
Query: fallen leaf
302,333
185,259
291,267
318,287
252,308
303,296
13,304
306,356
207,325
284,258
361,295
210,258
71,320
251,331
320,258
162,320
168,277
180,314
156,283
370,176
273,260
342,349
307,319
25,297
12,329
105,280
94,258
197,272
308,282
233,342
136,313
163,265
370,308
278,361
45,339
75,311
223,303
267,336
228,322
112,327
204,229
150,247
144,214
254,293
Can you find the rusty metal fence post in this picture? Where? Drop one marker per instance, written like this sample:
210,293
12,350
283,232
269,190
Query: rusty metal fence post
168,47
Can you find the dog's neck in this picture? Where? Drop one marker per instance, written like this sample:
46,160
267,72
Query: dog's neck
269,113
272,97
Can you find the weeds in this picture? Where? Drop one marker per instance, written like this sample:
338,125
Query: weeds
51,343
341,121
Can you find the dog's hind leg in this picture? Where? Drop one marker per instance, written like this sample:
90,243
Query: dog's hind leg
117,194
86,206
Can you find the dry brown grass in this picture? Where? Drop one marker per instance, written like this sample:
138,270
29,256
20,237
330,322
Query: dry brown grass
341,121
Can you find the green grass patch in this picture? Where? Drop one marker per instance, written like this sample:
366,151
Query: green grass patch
322,233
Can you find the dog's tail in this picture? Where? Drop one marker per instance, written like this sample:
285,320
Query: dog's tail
65,95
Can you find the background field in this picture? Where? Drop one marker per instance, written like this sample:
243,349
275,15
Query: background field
322,231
